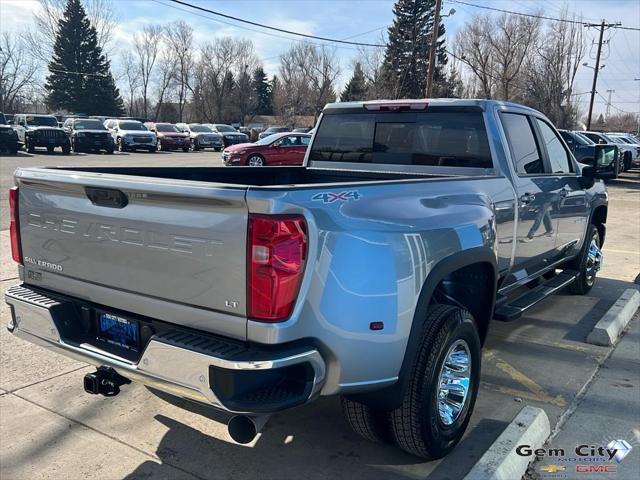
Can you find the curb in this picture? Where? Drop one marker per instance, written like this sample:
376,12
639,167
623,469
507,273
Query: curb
607,331
500,461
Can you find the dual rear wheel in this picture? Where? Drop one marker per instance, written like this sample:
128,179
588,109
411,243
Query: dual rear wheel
440,392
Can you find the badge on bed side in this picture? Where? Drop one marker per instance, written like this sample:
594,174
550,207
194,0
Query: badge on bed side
330,197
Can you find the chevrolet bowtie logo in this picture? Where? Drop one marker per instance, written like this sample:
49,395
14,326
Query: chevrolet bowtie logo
552,468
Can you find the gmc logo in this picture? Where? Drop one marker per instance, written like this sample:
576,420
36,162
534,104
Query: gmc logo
596,468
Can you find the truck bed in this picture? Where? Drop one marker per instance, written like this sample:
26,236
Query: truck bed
252,176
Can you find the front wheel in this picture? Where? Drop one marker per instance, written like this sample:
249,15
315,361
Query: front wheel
28,145
159,146
442,387
186,149
217,149
66,149
588,263
121,147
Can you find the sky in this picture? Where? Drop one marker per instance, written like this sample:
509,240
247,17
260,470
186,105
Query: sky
365,20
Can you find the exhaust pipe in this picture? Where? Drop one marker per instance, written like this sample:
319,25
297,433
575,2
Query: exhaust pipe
104,381
243,429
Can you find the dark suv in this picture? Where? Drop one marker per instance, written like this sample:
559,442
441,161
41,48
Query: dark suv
8,136
87,134
41,131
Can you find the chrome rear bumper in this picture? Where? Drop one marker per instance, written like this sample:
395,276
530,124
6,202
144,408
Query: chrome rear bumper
168,363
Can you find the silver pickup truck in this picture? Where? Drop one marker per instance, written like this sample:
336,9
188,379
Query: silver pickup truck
371,272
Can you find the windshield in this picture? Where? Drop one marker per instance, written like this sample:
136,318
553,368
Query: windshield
225,128
438,138
200,128
38,121
88,125
3,121
166,128
268,139
582,139
275,129
132,126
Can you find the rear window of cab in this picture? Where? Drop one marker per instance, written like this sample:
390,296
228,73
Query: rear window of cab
442,138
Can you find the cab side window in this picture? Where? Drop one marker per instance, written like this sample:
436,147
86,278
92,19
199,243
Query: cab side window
558,156
522,143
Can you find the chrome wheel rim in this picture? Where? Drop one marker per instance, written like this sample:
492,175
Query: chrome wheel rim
255,162
454,382
594,261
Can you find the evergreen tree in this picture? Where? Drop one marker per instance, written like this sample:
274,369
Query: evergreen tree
406,59
356,88
80,78
264,95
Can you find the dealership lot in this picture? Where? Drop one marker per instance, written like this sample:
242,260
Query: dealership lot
47,421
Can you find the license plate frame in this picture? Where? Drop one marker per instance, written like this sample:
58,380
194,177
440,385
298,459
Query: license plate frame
119,331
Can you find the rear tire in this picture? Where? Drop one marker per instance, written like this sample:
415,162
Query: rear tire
66,149
585,264
185,149
435,410
51,149
367,422
28,145
121,147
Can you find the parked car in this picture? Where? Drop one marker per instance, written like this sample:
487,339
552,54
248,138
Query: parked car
131,135
88,135
271,131
277,149
627,151
585,151
372,272
630,141
9,117
41,131
202,136
8,136
230,135
169,136
301,130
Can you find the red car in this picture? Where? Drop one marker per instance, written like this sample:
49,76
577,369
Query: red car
169,136
278,149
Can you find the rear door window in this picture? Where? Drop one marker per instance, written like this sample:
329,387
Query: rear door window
522,144
438,138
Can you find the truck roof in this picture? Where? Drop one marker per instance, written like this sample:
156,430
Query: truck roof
481,103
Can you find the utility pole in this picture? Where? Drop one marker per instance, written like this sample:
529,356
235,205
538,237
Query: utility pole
602,27
609,103
432,49
595,76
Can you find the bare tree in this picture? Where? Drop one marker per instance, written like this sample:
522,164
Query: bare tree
371,60
512,40
147,45
179,39
18,71
308,73
551,72
167,72
131,75
473,48
222,63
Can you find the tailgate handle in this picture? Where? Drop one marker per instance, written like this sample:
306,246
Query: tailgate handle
106,197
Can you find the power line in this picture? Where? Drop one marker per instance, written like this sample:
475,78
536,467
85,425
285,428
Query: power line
613,106
269,27
532,15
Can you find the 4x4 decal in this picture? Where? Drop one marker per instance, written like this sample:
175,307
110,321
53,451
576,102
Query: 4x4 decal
330,197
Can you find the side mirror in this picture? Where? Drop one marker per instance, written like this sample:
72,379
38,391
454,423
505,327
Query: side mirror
605,163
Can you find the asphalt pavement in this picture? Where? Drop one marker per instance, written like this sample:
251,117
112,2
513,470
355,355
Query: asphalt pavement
50,429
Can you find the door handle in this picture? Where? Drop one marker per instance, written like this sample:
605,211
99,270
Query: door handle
527,198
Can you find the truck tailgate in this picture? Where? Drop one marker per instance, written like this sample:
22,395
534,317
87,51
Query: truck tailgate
166,242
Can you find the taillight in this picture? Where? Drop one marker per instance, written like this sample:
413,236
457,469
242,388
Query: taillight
14,225
276,254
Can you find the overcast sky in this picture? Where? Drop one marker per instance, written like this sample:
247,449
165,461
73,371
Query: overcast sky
363,21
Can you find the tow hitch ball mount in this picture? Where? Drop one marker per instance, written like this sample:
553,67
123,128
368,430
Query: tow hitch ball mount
104,381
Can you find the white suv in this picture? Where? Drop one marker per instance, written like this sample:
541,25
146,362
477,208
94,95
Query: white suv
131,135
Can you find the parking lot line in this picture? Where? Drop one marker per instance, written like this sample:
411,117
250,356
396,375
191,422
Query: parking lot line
533,390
